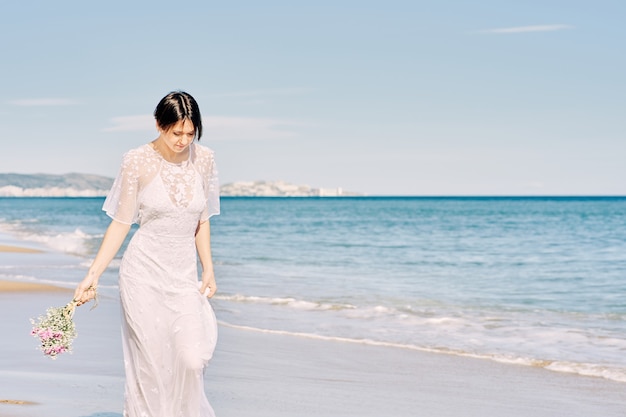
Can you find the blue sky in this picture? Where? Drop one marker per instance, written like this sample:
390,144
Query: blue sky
380,97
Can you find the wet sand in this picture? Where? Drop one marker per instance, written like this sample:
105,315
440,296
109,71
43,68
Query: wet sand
14,286
18,249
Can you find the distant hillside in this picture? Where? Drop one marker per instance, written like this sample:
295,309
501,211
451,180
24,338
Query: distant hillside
48,185
87,185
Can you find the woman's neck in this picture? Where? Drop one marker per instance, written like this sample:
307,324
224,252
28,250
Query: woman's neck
169,155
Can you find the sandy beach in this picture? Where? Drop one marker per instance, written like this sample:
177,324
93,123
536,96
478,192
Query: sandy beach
263,374
12,286
18,249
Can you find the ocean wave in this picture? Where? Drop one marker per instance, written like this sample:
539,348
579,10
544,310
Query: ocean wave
612,373
74,242
34,280
547,339
17,277
27,221
69,284
69,242
285,301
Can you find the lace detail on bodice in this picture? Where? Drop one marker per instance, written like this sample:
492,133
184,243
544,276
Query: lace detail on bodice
141,166
179,181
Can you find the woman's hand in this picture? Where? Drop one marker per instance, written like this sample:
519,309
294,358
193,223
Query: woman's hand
85,292
208,287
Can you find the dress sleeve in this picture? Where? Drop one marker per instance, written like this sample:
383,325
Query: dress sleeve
210,182
121,202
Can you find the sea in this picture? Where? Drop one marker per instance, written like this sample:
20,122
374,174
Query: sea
530,281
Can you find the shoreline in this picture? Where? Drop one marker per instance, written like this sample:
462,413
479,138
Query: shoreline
10,286
17,286
18,249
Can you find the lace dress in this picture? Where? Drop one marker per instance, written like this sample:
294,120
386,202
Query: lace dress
169,329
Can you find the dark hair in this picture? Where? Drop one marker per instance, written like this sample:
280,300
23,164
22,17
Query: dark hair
177,106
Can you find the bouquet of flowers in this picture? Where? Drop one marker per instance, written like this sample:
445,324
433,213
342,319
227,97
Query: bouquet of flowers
56,330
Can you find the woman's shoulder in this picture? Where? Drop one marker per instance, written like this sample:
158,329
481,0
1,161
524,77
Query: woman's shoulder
139,151
139,156
144,151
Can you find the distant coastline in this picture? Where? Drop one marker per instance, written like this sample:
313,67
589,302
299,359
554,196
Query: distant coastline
87,185
279,189
49,185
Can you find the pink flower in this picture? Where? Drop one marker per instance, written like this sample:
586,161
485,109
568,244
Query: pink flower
44,334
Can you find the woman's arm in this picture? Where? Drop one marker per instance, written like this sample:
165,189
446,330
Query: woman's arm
203,245
111,243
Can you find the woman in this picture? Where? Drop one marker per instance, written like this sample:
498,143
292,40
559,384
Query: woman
170,188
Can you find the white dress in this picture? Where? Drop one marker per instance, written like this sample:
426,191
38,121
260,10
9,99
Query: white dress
169,329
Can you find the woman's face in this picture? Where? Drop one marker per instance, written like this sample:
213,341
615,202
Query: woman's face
178,137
